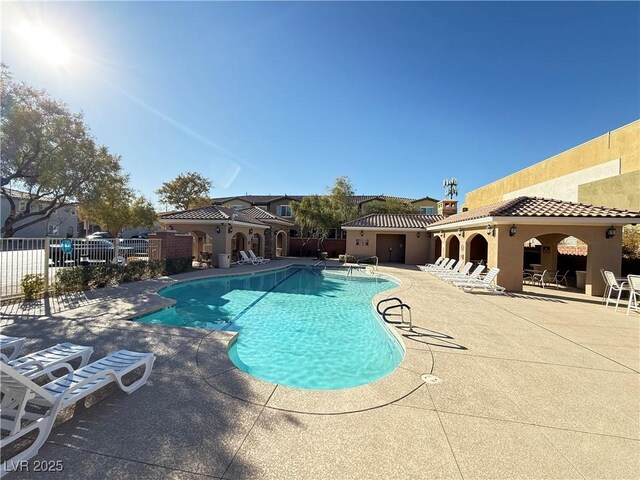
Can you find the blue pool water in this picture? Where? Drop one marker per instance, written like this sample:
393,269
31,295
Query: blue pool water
298,327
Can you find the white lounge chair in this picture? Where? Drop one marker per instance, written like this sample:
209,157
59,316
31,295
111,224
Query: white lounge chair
438,261
460,275
485,283
244,258
453,267
431,266
253,257
447,265
20,394
462,269
13,343
44,362
462,279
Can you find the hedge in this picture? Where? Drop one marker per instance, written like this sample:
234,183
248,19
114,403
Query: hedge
75,279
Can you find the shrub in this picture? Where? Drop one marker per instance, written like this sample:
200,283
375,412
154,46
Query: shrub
32,286
75,279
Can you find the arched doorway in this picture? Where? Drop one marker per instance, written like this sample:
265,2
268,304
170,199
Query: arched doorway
437,246
281,244
477,249
238,242
560,252
453,247
202,248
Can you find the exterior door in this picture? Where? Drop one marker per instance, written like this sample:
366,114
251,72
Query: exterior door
390,248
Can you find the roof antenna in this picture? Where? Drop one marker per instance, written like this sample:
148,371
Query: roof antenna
450,187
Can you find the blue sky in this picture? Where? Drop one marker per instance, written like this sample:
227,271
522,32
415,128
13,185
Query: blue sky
273,98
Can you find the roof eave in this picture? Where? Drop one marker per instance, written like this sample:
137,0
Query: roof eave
535,220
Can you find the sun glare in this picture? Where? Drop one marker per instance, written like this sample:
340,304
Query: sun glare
45,43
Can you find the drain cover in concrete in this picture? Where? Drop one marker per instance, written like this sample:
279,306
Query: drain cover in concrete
426,378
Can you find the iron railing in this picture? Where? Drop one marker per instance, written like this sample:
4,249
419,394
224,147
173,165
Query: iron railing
47,256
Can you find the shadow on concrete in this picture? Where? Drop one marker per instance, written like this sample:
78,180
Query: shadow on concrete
176,424
430,337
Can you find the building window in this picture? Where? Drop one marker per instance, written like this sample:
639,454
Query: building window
284,210
238,207
263,207
53,230
428,210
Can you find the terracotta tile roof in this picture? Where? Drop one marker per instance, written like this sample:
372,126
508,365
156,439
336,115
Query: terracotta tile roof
211,212
263,215
396,220
539,207
266,199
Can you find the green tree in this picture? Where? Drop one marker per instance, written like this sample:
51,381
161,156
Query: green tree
315,215
631,241
185,191
113,205
341,198
392,205
46,152
143,213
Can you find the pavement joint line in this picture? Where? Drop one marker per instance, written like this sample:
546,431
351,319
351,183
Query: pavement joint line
73,447
532,424
557,334
446,436
249,431
531,361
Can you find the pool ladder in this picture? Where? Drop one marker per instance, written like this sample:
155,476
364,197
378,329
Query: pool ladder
368,267
398,304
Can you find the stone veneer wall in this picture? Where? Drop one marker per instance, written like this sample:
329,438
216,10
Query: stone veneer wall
269,243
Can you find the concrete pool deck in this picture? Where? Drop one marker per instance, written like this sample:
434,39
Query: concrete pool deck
540,384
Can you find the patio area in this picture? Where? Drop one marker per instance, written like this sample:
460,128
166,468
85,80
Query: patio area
535,384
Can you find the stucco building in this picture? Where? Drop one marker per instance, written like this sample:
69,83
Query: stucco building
603,171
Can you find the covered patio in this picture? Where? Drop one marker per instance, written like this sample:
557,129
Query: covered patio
495,235
218,230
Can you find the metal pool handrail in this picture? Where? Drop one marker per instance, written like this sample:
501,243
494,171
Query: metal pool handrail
367,258
400,304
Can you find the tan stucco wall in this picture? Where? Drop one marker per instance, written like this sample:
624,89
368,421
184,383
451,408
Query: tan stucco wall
623,144
621,190
602,252
416,250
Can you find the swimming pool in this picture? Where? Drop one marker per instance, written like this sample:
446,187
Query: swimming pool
297,326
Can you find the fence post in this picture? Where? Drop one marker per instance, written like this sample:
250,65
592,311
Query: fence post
46,264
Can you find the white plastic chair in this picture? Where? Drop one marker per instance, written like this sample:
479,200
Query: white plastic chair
542,278
614,287
44,362
559,278
14,343
634,292
20,394
255,258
